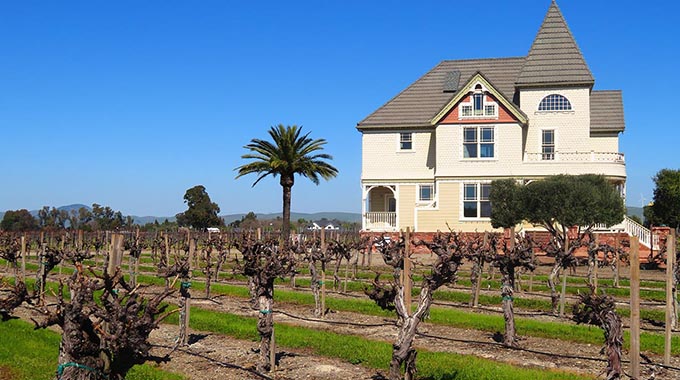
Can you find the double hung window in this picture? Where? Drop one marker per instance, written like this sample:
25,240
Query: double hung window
478,142
405,141
476,202
548,144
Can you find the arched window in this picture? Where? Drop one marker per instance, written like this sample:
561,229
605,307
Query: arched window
554,102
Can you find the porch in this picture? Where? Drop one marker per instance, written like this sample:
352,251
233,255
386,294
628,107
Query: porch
379,208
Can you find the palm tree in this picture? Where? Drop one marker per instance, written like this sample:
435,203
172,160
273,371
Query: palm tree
288,154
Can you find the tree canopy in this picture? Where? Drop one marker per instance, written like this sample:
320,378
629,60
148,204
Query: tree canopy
557,202
506,207
201,212
19,220
289,153
666,206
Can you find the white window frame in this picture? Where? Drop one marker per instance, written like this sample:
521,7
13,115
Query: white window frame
554,144
479,143
478,186
420,194
486,101
571,106
400,141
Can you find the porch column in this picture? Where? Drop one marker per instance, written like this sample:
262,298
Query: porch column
364,194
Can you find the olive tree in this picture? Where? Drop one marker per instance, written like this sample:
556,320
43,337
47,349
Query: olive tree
559,204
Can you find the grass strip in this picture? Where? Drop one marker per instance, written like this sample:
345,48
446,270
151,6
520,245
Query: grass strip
32,354
369,353
466,319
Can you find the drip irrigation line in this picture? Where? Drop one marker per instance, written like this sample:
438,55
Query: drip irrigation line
335,322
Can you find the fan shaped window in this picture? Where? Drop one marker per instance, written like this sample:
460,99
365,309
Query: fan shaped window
554,102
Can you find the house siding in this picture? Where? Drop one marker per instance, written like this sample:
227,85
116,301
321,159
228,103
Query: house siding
448,211
382,159
507,152
405,206
572,128
604,143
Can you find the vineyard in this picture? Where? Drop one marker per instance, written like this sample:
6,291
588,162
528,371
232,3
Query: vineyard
325,306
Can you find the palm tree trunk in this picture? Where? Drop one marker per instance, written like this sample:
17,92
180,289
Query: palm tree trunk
287,184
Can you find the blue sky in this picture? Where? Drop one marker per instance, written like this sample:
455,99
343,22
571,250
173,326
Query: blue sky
130,103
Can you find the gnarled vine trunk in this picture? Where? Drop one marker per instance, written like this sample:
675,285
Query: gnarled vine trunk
510,337
265,327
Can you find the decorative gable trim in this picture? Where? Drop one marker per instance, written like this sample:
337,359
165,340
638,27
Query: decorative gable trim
476,79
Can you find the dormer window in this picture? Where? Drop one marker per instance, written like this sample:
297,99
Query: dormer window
554,102
479,105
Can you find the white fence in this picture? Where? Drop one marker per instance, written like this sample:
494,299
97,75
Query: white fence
386,221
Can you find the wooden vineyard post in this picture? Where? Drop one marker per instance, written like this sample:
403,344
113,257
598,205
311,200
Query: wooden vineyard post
563,295
406,274
597,261
259,233
167,249
80,239
61,247
617,274
23,257
670,261
344,287
185,296
478,284
634,307
116,254
41,261
323,273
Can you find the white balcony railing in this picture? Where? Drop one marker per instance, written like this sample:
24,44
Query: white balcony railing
380,221
592,156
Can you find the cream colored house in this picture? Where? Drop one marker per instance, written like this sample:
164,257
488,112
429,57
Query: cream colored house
430,153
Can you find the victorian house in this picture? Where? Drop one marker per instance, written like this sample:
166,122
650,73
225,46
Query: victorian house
430,153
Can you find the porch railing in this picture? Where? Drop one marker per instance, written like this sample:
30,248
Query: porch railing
632,228
380,220
575,157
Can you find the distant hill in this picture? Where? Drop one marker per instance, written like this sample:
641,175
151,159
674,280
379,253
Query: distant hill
294,216
637,211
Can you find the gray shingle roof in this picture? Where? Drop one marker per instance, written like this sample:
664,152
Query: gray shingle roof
422,100
554,57
554,60
606,111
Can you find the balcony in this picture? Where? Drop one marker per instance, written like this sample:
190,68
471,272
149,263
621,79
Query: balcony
380,221
592,156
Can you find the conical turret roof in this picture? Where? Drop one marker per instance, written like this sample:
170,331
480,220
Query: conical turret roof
554,57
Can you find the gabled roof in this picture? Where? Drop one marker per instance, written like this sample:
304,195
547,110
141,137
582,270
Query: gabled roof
606,111
554,57
426,97
467,87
